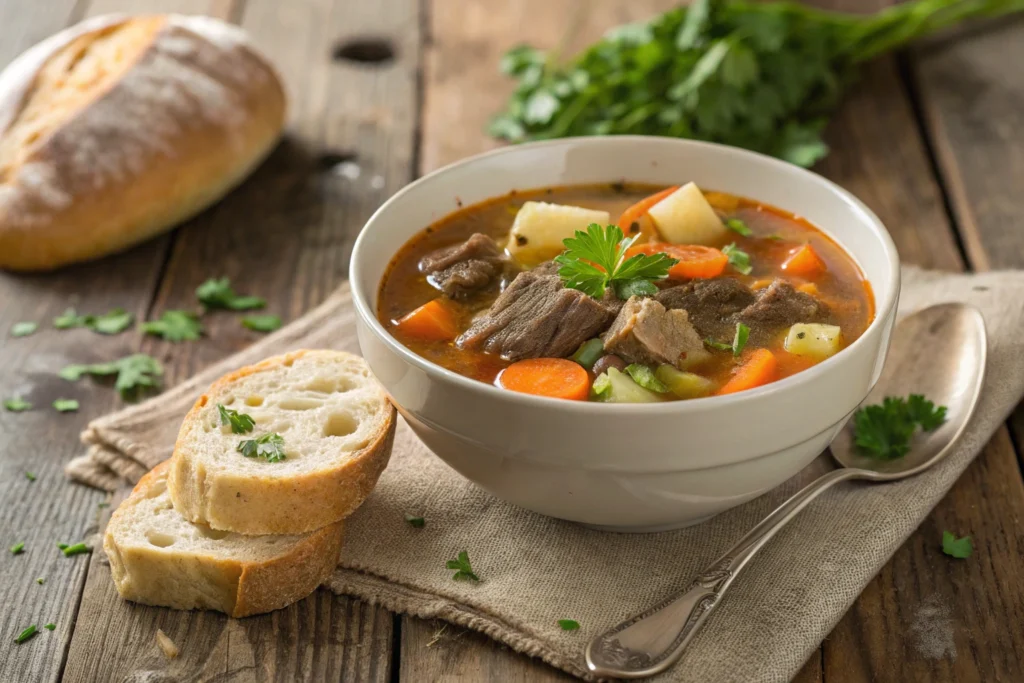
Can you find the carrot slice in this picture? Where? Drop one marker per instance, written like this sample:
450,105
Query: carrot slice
553,377
760,368
433,321
637,212
695,260
804,262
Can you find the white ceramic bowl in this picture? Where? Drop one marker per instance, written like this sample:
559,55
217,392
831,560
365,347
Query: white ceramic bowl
627,467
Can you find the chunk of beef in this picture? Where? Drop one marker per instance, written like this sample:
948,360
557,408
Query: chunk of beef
467,268
712,304
779,305
646,332
537,317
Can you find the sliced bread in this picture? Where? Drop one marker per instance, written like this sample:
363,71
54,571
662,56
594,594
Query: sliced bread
337,427
159,558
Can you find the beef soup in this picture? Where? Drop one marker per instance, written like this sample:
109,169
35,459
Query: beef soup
624,293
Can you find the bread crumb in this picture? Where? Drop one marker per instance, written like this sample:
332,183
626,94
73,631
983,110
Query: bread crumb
166,645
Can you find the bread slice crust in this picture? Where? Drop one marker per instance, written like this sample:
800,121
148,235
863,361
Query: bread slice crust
177,576
267,501
171,113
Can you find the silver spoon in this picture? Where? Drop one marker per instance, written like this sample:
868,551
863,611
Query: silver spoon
939,352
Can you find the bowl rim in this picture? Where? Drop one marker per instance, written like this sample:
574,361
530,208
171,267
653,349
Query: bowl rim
883,308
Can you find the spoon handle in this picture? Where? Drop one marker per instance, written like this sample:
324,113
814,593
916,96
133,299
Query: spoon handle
652,641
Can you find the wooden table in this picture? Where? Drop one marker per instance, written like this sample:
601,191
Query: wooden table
931,140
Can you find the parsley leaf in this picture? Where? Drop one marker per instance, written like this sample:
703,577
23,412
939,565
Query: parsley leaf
76,549
596,259
217,293
26,634
569,624
50,626
240,422
174,326
644,376
134,373
65,405
738,259
114,321
717,345
883,430
41,581
464,569
740,340
30,476
414,521
738,226
17,405
270,447
960,548
23,329
17,549
261,323
70,318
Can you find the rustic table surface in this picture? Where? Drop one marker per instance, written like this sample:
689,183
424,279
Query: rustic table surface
931,140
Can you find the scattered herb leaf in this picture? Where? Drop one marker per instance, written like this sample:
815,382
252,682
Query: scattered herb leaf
23,329
26,634
415,521
134,373
596,259
737,225
50,626
261,323
240,422
17,404
464,569
76,549
775,237
17,549
883,430
217,293
70,318
717,345
738,259
41,581
644,376
174,326
65,405
569,624
114,321
960,548
270,447
30,476
740,340
62,546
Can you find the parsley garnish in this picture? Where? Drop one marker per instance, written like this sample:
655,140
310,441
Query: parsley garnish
76,549
17,549
644,376
134,373
240,422
464,569
737,225
174,326
261,323
415,521
883,431
23,329
717,345
62,546
217,293
50,626
959,548
30,476
17,404
764,76
65,405
569,624
270,447
740,340
738,259
41,581
596,259
115,321
26,634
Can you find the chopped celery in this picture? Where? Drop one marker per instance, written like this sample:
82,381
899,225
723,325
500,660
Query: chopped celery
620,388
589,352
684,384
644,376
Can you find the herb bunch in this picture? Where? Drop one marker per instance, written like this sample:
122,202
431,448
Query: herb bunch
883,431
763,76
596,259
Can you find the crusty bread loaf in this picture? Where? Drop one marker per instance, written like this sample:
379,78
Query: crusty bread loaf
159,558
120,127
337,425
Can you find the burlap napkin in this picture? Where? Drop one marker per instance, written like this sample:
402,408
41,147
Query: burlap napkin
537,570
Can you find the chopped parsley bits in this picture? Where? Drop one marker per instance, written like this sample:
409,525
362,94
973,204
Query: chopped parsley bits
115,321
30,476
240,422
464,571
23,329
65,405
738,259
270,447
569,624
261,323
41,581
50,626
415,521
26,634
134,373
17,549
17,405
76,549
738,226
740,340
174,326
960,548
217,293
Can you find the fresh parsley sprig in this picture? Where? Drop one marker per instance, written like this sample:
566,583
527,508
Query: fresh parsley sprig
270,447
464,570
134,373
174,326
217,293
240,422
883,431
738,259
596,259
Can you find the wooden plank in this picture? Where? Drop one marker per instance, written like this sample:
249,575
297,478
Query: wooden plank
50,510
285,235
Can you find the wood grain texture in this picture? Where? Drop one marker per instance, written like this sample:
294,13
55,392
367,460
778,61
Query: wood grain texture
286,235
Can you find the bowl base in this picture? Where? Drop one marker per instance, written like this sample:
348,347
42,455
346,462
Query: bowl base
671,526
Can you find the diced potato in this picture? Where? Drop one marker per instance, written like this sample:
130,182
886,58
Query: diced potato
539,229
623,389
685,217
813,340
684,384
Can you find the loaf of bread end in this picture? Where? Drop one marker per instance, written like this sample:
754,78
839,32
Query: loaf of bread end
118,128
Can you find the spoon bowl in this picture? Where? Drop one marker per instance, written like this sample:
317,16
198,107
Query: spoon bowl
940,353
